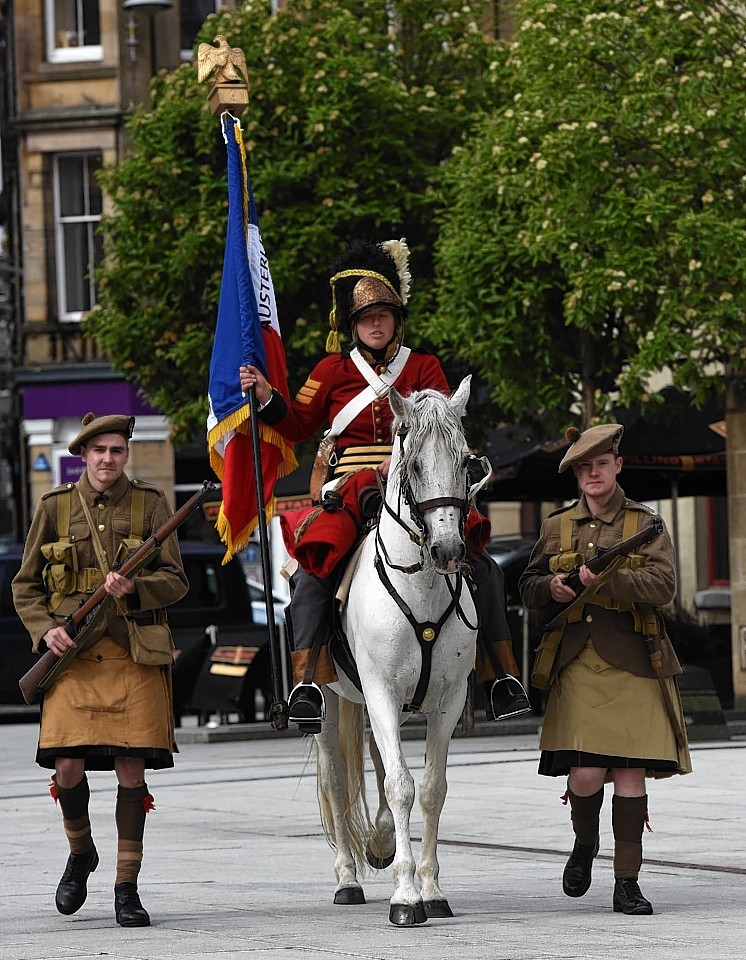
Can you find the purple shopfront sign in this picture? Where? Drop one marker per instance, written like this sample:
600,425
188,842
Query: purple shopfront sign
76,399
70,468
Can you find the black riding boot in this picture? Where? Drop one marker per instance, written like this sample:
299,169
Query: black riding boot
308,624
495,661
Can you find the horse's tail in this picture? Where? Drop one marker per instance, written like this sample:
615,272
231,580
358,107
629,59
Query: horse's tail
357,822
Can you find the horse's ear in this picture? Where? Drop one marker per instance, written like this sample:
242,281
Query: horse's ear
461,397
400,406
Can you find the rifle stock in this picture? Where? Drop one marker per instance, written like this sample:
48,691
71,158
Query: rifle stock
46,669
598,564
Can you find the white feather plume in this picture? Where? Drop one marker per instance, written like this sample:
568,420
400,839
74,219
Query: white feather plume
399,253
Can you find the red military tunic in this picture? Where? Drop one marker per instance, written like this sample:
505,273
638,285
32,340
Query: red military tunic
335,381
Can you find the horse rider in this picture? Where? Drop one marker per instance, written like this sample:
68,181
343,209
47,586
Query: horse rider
614,713
348,390
111,708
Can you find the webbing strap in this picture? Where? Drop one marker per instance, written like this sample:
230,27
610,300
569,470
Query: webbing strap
566,531
63,515
631,518
611,603
137,513
631,522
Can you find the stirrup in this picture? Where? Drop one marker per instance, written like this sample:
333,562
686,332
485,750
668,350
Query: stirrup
508,698
310,699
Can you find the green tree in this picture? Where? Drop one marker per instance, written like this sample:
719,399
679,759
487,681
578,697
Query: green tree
353,109
593,228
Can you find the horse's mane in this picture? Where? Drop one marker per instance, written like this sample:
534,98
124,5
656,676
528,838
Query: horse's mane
431,413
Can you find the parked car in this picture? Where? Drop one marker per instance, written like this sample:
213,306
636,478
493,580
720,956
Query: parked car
259,606
16,657
215,614
512,553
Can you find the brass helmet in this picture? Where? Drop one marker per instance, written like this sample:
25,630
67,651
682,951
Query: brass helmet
367,275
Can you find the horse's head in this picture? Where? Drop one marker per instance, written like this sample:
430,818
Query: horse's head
429,468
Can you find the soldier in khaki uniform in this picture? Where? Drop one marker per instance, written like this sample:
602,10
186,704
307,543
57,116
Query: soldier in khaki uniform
105,711
607,718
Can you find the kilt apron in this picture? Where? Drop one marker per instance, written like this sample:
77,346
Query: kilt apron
598,708
107,701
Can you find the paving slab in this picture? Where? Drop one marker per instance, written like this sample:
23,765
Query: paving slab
236,866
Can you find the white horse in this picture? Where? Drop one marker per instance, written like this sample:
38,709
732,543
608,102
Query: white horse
411,625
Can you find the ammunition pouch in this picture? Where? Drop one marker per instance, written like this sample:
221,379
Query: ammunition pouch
127,547
151,644
564,562
62,577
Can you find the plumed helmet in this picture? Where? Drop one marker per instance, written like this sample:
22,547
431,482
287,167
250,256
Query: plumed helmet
367,275
93,426
594,441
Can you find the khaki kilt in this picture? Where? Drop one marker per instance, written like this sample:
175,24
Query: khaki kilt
597,708
106,705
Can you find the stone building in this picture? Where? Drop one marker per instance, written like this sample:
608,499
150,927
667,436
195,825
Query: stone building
70,70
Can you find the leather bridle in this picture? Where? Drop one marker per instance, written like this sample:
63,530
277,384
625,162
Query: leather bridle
428,631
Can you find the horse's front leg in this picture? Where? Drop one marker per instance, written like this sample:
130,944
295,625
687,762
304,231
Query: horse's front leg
433,789
406,903
332,781
382,844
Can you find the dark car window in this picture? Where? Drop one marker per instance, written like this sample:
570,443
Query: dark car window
8,569
204,585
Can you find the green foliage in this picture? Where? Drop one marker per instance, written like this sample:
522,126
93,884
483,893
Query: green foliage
353,109
593,230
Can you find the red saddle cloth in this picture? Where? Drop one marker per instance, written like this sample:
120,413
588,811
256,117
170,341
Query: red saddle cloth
319,538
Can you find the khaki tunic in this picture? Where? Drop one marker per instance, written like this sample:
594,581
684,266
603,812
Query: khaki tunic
606,699
104,705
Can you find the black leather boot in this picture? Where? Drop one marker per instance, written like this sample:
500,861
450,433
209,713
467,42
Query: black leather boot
629,899
73,887
306,707
576,878
130,912
508,698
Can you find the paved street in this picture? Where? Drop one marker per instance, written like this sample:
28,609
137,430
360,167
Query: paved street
236,867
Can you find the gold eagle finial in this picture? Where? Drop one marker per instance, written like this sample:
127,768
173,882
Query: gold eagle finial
229,63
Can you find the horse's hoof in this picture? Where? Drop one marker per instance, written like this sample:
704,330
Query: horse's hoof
379,863
437,908
349,895
402,915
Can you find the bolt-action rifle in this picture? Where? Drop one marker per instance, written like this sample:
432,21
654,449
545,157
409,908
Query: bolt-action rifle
603,565
603,559
79,625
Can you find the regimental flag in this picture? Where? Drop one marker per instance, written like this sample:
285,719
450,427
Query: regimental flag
247,331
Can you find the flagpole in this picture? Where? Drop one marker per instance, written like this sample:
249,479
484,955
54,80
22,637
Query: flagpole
278,711
229,93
